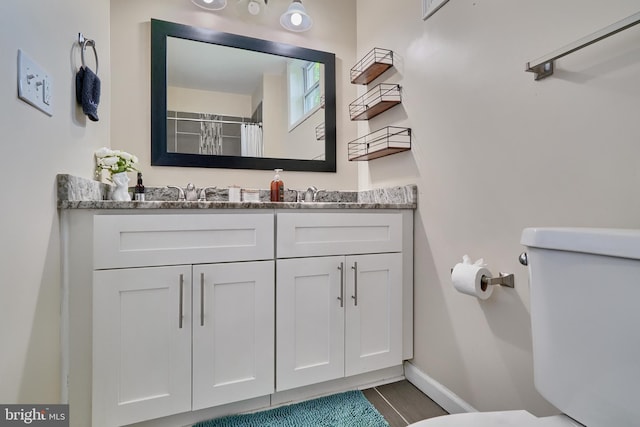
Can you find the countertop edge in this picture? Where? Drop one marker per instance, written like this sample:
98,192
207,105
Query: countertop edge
82,193
154,205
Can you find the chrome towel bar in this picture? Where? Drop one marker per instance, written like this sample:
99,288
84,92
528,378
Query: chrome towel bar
543,67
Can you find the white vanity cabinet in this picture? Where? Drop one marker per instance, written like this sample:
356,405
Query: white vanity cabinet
339,295
233,332
153,326
142,348
174,316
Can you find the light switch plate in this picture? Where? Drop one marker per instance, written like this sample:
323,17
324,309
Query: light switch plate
34,84
429,7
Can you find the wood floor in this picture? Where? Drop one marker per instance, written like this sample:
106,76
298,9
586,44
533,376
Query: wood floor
401,403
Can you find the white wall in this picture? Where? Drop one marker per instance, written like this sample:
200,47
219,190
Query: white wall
333,31
301,140
36,147
204,101
274,97
494,152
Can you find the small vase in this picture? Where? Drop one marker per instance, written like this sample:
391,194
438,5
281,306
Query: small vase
120,191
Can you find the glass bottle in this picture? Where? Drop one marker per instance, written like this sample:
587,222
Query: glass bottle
277,188
139,189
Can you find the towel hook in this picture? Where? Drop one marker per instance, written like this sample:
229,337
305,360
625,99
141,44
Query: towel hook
84,42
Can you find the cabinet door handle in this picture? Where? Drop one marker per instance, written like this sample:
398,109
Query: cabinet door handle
201,299
180,312
341,297
354,267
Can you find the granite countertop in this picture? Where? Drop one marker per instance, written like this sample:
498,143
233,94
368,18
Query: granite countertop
81,193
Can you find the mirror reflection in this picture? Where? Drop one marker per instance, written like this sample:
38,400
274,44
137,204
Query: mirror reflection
233,101
217,97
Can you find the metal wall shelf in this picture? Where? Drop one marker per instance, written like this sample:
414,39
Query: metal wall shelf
377,100
383,142
388,140
320,132
374,63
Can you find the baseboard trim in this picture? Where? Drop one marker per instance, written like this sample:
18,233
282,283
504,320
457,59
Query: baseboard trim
444,397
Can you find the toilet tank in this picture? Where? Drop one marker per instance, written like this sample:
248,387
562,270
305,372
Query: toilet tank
585,321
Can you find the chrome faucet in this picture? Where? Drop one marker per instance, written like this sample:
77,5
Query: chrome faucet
180,192
203,193
310,194
190,193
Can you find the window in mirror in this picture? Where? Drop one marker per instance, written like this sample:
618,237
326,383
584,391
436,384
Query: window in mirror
311,86
304,89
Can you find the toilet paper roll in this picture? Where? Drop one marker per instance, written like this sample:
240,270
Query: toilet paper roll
467,278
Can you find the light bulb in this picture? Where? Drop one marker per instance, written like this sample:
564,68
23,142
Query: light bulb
254,7
208,1
296,19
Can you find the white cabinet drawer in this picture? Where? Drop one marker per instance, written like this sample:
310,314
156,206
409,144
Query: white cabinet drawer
149,240
303,234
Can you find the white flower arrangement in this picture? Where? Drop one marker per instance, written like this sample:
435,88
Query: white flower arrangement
114,161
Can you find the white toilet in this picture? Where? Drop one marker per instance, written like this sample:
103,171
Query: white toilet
585,320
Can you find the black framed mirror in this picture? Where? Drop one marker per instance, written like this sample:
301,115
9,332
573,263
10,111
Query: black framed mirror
222,100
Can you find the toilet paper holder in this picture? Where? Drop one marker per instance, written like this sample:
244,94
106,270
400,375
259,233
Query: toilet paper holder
504,279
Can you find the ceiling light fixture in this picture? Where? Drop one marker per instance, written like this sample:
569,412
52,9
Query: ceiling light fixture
211,4
253,7
296,18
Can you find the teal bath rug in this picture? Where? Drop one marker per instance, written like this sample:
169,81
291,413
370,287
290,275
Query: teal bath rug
350,409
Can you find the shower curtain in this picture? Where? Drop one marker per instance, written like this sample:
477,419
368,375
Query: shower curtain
251,140
210,134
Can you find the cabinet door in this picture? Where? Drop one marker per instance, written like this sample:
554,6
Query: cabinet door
233,332
141,344
310,321
374,312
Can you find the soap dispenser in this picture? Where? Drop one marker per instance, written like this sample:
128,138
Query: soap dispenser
139,189
277,188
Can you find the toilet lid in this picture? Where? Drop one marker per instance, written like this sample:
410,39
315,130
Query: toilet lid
496,419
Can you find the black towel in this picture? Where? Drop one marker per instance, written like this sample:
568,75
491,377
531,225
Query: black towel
88,92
